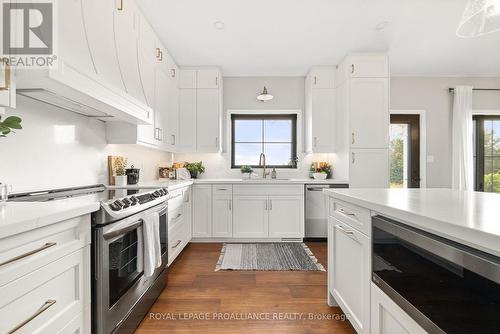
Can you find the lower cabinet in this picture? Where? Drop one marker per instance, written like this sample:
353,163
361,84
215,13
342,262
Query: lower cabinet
285,216
179,222
388,318
251,219
222,221
350,280
202,210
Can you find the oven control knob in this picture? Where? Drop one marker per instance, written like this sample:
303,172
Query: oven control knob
118,203
165,191
114,207
133,200
156,194
126,202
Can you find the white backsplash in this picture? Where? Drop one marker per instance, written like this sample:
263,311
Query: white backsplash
218,165
57,148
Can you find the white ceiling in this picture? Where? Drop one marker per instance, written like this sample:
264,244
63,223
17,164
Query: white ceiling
286,37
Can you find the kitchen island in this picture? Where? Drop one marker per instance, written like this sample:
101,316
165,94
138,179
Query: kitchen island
386,244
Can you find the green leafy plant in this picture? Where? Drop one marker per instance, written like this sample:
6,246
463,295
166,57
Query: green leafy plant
246,169
195,168
11,122
120,164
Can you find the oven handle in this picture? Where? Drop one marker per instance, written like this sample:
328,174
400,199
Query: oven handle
483,264
121,231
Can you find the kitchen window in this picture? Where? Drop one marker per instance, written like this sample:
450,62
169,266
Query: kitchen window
487,153
273,135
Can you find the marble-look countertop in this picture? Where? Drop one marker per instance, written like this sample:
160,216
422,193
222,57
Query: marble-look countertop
470,218
18,217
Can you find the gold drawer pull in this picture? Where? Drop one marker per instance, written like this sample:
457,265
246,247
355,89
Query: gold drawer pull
6,86
42,309
19,257
177,244
347,213
121,5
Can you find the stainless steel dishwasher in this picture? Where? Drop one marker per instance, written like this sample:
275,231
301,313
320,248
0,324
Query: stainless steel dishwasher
316,215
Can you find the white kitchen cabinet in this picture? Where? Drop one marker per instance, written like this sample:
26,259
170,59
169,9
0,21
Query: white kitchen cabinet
369,113
7,86
286,216
202,211
208,115
187,120
320,111
171,121
126,27
98,16
322,78
388,318
188,211
188,79
369,168
208,78
351,274
222,221
250,216
368,65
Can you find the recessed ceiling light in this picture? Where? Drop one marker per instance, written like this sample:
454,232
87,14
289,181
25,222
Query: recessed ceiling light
219,25
381,26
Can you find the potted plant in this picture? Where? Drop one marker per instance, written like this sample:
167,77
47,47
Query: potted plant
246,171
321,170
120,164
11,122
195,168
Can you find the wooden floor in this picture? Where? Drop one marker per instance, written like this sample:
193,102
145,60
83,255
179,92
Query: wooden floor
195,289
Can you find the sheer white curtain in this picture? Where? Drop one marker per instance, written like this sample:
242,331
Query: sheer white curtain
462,156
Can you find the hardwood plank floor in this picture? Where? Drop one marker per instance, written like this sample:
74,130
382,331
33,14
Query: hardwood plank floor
195,290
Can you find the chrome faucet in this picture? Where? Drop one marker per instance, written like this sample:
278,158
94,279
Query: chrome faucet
262,162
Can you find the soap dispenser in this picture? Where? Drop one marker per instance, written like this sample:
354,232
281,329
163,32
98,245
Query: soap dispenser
273,173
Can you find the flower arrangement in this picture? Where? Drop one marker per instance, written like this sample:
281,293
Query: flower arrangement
321,167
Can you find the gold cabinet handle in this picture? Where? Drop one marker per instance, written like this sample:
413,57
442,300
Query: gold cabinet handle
177,244
19,257
158,51
6,86
352,68
161,55
173,73
315,80
120,7
42,309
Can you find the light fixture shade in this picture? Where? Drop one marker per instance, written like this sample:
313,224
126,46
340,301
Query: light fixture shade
481,17
265,96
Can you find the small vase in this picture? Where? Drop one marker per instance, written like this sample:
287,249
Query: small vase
120,180
194,174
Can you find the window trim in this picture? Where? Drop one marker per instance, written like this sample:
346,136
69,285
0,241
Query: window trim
291,116
479,143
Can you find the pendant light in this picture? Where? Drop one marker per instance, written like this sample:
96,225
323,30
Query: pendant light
265,96
481,17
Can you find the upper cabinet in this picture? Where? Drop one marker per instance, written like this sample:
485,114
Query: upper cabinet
323,77
7,86
149,54
364,65
200,110
320,111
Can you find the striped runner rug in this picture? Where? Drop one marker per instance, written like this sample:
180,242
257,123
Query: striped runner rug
267,256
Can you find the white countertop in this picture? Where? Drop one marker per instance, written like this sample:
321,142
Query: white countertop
471,218
18,217
169,184
272,181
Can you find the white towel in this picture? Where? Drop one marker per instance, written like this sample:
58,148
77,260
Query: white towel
152,247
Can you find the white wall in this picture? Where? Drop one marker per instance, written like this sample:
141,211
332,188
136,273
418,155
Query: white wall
57,148
241,93
431,95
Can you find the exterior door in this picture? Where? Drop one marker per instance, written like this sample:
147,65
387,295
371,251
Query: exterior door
405,151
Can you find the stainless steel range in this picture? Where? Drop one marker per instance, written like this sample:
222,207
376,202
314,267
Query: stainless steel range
121,292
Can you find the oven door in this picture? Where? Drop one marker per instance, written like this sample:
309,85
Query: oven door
444,286
119,281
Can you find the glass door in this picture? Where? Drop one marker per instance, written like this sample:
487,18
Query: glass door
404,151
487,153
